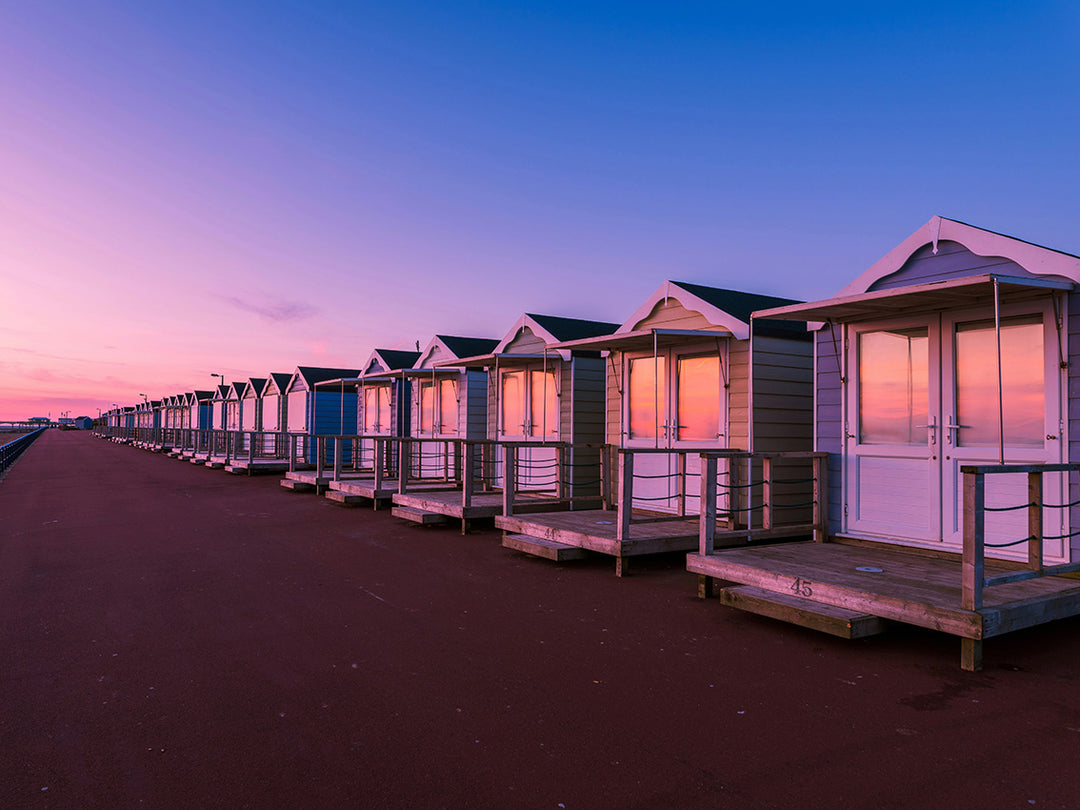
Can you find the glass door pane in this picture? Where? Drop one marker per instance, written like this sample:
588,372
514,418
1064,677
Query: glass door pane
893,380
448,408
512,403
1023,384
698,396
543,404
427,408
647,408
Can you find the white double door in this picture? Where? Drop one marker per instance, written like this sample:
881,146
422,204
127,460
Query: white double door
922,401
674,401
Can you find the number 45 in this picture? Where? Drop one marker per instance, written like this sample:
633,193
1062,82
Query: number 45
800,587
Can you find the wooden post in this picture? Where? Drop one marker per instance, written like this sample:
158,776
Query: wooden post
707,524
339,447
680,483
251,448
820,485
509,478
561,468
973,563
606,489
404,463
320,452
1035,522
378,462
626,495
766,493
467,469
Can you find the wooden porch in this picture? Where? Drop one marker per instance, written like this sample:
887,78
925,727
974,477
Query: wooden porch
825,584
623,530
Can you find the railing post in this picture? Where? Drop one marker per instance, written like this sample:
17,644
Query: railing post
820,471
339,446
467,468
1035,521
766,493
974,534
973,563
680,483
509,478
626,495
561,468
291,440
404,464
606,490
378,462
320,452
707,511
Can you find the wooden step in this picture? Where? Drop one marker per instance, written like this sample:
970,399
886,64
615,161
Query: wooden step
345,499
797,610
542,547
420,516
296,486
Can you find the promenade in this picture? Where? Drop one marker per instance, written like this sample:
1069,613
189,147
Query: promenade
173,636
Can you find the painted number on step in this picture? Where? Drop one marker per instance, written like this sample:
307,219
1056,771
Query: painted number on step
800,587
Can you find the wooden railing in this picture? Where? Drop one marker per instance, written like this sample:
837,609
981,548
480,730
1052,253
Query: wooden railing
974,579
753,506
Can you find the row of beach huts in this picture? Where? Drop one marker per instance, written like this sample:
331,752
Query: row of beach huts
905,451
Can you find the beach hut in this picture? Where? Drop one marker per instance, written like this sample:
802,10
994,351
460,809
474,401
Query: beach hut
313,411
945,379
199,416
436,405
541,403
381,394
261,446
251,404
686,373
275,404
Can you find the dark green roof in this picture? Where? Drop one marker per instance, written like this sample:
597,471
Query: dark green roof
572,328
313,374
397,359
743,304
468,346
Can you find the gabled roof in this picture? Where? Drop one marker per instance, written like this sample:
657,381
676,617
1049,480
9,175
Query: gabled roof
389,360
729,309
314,374
279,381
859,300
572,328
467,346
236,389
555,329
1036,259
255,385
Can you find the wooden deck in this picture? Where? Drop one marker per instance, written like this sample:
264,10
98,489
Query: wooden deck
895,585
364,487
597,530
482,505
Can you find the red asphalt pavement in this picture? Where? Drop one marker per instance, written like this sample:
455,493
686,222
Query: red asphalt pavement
173,636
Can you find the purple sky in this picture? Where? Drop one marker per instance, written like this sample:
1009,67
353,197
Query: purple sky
187,189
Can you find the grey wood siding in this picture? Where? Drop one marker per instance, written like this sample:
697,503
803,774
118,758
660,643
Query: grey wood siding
474,404
673,315
783,394
952,260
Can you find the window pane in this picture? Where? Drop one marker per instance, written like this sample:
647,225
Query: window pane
513,403
544,404
427,408
377,409
448,407
1023,384
698,398
893,387
646,389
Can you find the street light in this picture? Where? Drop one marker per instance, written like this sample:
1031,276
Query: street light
145,397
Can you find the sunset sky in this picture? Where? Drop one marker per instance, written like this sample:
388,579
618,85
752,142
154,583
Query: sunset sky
242,187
